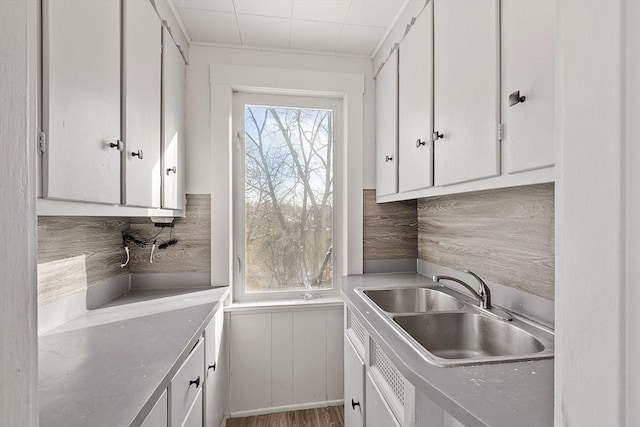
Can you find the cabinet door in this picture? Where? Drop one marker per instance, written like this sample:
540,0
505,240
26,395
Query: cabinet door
194,417
173,112
81,73
415,101
378,413
387,127
214,391
528,51
353,386
142,70
159,416
466,106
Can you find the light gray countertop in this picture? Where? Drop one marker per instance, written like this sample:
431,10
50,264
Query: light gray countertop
108,366
496,395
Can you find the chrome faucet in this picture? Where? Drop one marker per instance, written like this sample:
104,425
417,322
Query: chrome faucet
483,295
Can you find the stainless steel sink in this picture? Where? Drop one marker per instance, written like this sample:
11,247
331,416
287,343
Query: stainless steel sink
413,300
466,336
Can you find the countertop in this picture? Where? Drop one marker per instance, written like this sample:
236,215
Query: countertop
504,394
108,366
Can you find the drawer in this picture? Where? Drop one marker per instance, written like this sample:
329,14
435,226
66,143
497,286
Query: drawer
194,417
186,385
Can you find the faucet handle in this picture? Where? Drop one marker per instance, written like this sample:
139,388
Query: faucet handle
483,290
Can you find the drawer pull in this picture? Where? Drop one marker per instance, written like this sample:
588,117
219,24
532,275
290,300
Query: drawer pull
212,367
196,382
354,404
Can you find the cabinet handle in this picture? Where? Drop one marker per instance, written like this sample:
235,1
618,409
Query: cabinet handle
118,145
388,159
196,382
436,136
173,169
419,142
515,98
354,404
212,367
139,154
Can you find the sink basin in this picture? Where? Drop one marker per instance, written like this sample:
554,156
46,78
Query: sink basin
413,300
470,337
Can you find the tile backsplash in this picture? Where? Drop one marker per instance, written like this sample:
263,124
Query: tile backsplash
504,235
78,253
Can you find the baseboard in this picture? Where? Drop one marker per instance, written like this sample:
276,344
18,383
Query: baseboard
286,408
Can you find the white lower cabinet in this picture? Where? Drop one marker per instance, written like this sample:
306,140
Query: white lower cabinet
354,401
159,415
214,384
186,386
194,417
379,414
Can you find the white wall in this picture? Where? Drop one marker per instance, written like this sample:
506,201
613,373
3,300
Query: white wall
199,104
18,337
591,228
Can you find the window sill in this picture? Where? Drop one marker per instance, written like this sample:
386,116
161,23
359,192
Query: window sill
286,304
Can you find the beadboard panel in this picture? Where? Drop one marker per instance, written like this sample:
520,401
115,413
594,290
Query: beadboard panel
76,253
192,253
505,235
390,229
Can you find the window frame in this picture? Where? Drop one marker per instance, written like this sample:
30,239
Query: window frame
237,263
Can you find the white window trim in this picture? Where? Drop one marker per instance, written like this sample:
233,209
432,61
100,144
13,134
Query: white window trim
225,79
240,100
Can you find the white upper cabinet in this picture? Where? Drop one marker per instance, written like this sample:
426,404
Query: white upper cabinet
173,113
415,104
387,127
528,40
142,68
466,103
82,100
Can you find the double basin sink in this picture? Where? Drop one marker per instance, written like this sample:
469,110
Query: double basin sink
450,330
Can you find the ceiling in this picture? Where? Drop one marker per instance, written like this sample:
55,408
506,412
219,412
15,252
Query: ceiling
354,27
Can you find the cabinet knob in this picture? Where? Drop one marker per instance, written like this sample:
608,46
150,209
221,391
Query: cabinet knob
354,404
388,159
212,367
139,154
196,382
173,169
118,145
436,136
419,142
515,98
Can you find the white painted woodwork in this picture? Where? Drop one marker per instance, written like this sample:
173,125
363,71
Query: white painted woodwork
194,417
173,124
285,358
387,128
354,371
528,62
427,412
159,415
449,421
282,359
309,356
250,361
466,105
142,36
415,105
378,413
18,306
183,392
213,396
82,100
335,354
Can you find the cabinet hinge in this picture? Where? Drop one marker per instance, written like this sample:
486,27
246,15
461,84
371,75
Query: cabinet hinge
500,132
42,142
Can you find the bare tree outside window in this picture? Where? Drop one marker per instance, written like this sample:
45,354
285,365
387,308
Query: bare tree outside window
288,199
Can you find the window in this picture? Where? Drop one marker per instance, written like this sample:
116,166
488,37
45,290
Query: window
284,195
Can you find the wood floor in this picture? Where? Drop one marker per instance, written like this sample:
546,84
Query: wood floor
332,416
